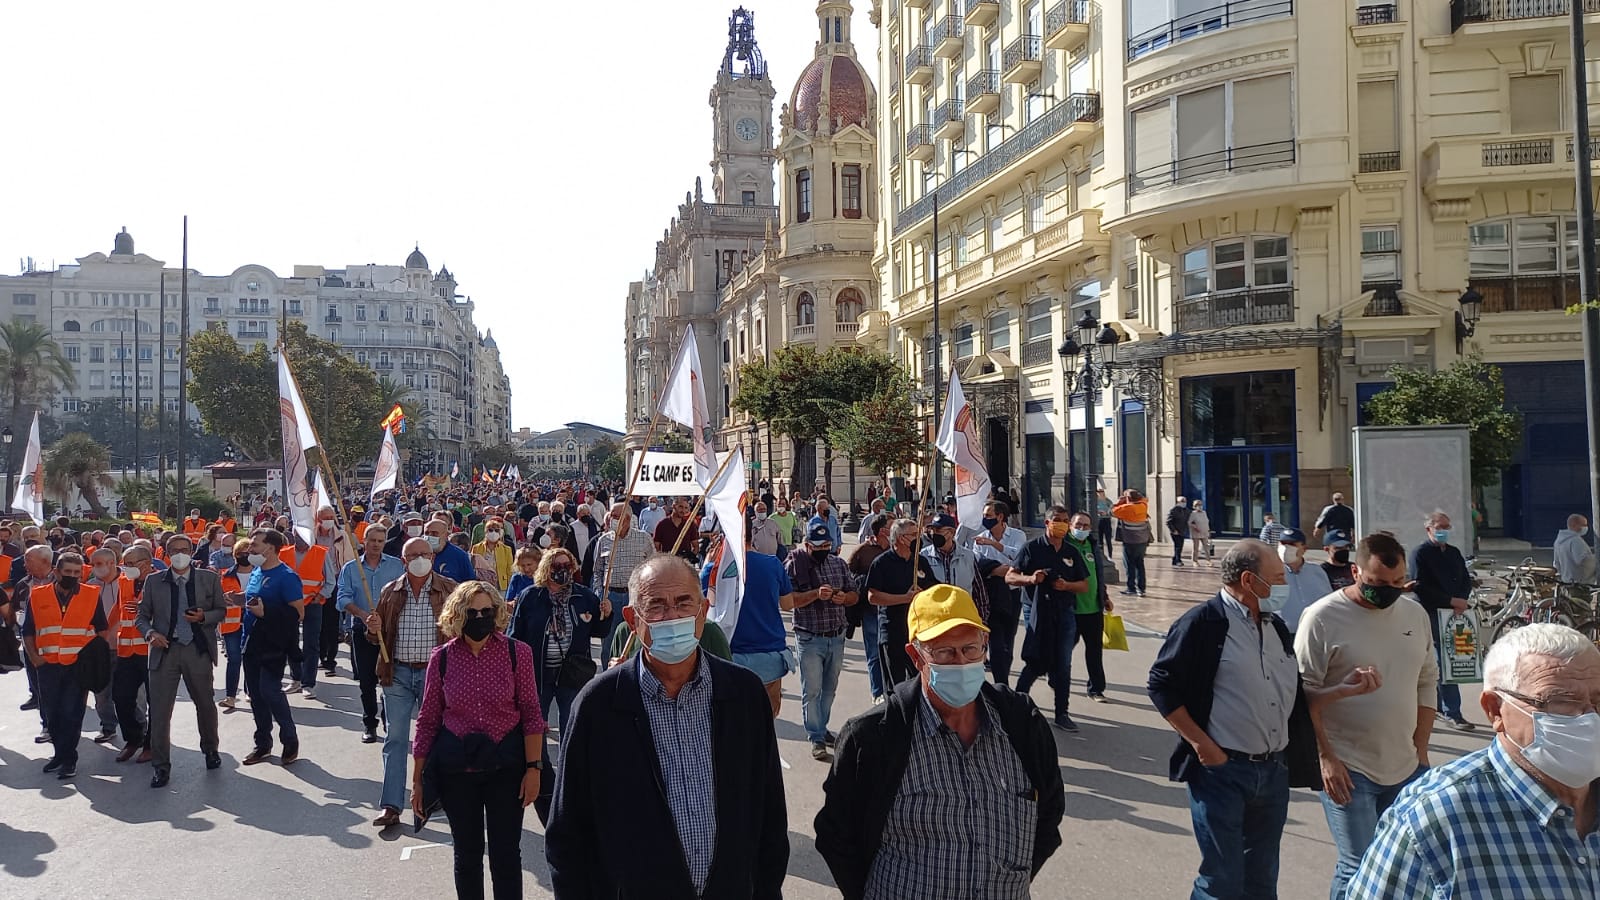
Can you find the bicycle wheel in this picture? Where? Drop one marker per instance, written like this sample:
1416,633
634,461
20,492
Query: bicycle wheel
1505,628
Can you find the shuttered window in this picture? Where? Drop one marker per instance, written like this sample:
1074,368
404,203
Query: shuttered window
1375,107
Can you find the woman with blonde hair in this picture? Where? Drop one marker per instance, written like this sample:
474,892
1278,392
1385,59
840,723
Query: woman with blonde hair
497,549
556,617
480,738
527,563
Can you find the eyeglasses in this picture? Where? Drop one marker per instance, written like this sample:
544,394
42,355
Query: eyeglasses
484,612
1556,704
661,610
949,656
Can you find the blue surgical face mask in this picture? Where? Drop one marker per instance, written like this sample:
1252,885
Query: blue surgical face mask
1441,535
1080,534
672,640
1277,598
957,685
1582,531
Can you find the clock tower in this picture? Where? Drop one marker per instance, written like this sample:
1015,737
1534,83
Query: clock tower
741,103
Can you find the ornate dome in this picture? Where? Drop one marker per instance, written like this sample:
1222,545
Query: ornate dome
844,84
416,260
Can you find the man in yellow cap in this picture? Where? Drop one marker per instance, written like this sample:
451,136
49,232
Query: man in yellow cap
948,746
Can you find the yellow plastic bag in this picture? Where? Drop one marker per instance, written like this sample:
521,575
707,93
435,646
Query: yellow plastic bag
1114,637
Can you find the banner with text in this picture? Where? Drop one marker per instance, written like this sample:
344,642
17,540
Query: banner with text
665,474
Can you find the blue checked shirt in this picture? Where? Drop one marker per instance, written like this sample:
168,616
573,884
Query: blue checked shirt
681,730
963,821
1479,827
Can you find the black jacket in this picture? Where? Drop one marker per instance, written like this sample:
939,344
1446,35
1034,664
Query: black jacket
871,758
1440,573
611,833
532,616
1183,675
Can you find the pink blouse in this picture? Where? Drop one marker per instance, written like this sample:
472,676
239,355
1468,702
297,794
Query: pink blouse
479,696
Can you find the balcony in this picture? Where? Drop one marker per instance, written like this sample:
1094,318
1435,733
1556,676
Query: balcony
983,92
1378,14
383,365
1229,309
919,143
332,319
252,333
919,65
1022,60
1205,21
949,120
1219,162
846,331
804,333
1527,293
1066,25
916,4
982,13
1463,12
1455,166
946,37
1037,353
1387,161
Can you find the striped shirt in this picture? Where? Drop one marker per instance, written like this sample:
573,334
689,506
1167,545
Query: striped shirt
681,730
632,550
416,631
1479,827
963,822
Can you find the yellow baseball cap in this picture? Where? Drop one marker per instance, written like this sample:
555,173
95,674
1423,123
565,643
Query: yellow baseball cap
939,609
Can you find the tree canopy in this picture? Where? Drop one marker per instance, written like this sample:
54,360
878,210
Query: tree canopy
1469,393
78,461
883,431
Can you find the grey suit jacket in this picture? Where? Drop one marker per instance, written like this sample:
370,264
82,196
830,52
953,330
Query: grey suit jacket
155,609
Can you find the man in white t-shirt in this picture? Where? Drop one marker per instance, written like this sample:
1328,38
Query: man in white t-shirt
1367,661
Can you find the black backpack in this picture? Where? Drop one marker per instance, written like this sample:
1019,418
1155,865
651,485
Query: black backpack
93,665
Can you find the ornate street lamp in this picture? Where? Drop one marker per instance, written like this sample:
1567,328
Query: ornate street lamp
1097,345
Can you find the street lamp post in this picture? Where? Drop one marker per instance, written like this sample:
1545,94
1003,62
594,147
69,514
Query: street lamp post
1094,375
755,457
5,441
933,479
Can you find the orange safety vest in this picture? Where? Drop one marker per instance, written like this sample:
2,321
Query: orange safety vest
234,620
228,524
59,635
361,531
309,568
129,641
194,527
5,567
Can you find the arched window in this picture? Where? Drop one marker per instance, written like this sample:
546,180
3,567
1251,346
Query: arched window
805,309
802,195
849,307
71,325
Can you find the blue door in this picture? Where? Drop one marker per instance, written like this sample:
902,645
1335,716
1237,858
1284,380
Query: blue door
1240,486
1548,477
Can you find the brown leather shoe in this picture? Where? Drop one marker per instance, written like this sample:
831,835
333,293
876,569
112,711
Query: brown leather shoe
289,756
145,756
258,755
127,753
389,819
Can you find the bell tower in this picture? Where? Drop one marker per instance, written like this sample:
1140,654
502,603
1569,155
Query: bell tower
741,102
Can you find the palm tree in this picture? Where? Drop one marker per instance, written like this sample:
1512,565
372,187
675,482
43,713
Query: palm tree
79,461
32,366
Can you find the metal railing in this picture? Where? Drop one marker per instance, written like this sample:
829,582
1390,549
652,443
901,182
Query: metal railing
1067,12
1519,153
1227,309
1218,162
986,81
1027,48
952,110
951,27
987,9
919,57
1465,11
1526,293
919,136
1377,14
1076,108
1594,148
1205,21
1036,352
1387,161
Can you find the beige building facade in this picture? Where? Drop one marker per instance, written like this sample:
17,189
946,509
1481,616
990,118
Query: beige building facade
1271,203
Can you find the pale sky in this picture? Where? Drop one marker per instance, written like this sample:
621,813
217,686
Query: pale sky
538,156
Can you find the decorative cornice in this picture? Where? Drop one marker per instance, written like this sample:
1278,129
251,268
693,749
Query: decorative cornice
1238,62
1372,187
1543,337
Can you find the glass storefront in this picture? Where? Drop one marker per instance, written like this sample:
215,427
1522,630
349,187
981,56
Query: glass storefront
1040,453
1238,448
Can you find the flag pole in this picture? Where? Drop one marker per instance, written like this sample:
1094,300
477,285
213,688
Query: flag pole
702,501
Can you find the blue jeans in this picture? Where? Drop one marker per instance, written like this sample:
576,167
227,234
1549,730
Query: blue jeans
1353,824
232,642
311,645
563,697
869,641
1239,810
401,700
821,658
1449,694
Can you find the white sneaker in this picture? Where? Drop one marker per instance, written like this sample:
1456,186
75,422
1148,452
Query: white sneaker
293,688
310,693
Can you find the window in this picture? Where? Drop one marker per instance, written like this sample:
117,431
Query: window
71,325
1038,324
1535,104
333,335
1033,102
1523,246
146,353
1236,264
850,189
97,380
802,195
1035,212
97,354
1236,126
849,305
71,350
71,404
727,352
747,198
959,250
964,341
805,309
24,299
998,336
361,313
1378,121
1084,298
741,343
1380,255
1130,289
997,229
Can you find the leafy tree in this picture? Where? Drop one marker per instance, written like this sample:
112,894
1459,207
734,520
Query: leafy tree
141,494
109,424
605,460
236,392
1468,393
78,461
32,369
883,431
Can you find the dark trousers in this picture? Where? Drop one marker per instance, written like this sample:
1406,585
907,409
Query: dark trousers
268,702
33,690
1059,672
1103,526
191,665
1005,612
554,695
892,659
331,620
1177,548
1133,559
129,675
475,802
1449,694
364,663
67,701
1238,810
1091,633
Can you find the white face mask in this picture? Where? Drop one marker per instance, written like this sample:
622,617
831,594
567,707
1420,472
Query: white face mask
104,574
761,516
420,566
257,560
413,531
492,536
1289,553
180,561
1567,748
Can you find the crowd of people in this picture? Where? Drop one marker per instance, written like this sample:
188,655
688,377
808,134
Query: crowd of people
473,616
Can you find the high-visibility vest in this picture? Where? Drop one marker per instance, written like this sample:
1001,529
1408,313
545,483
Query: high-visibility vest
194,527
5,567
129,641
234,620
361,531
59,635
228,524
309,568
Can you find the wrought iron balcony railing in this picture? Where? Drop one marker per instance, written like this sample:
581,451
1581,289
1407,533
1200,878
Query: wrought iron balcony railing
1227,309
1205,21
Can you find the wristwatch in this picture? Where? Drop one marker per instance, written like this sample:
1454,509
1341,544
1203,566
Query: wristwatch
536,764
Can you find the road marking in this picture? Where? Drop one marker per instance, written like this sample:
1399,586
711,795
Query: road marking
405,852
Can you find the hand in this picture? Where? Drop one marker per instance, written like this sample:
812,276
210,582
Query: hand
825,592
1040,576
416,797
1458,604
605,609
1110,607
194,615
372,622
1364,680
530,788
1422,758
1059,583
1210,754
158,641
1336,780
256,608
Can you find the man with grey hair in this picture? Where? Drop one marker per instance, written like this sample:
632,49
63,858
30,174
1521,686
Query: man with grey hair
35,568
1440,581
1574,558
893,580
1517,818
1226,680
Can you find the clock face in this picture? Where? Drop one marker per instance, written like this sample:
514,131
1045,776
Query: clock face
746,129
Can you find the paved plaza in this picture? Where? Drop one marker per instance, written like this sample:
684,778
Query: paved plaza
271,832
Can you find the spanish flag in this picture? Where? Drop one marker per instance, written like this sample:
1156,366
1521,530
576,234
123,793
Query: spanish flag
147,518
395,420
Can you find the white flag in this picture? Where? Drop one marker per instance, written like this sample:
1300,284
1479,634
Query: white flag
297,439
684,401
30,478
726,500
386,472
958,441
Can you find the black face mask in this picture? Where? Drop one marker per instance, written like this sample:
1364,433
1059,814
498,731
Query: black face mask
68,583
478,628
560,575
1382,596
1341,557
820,555
937,540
